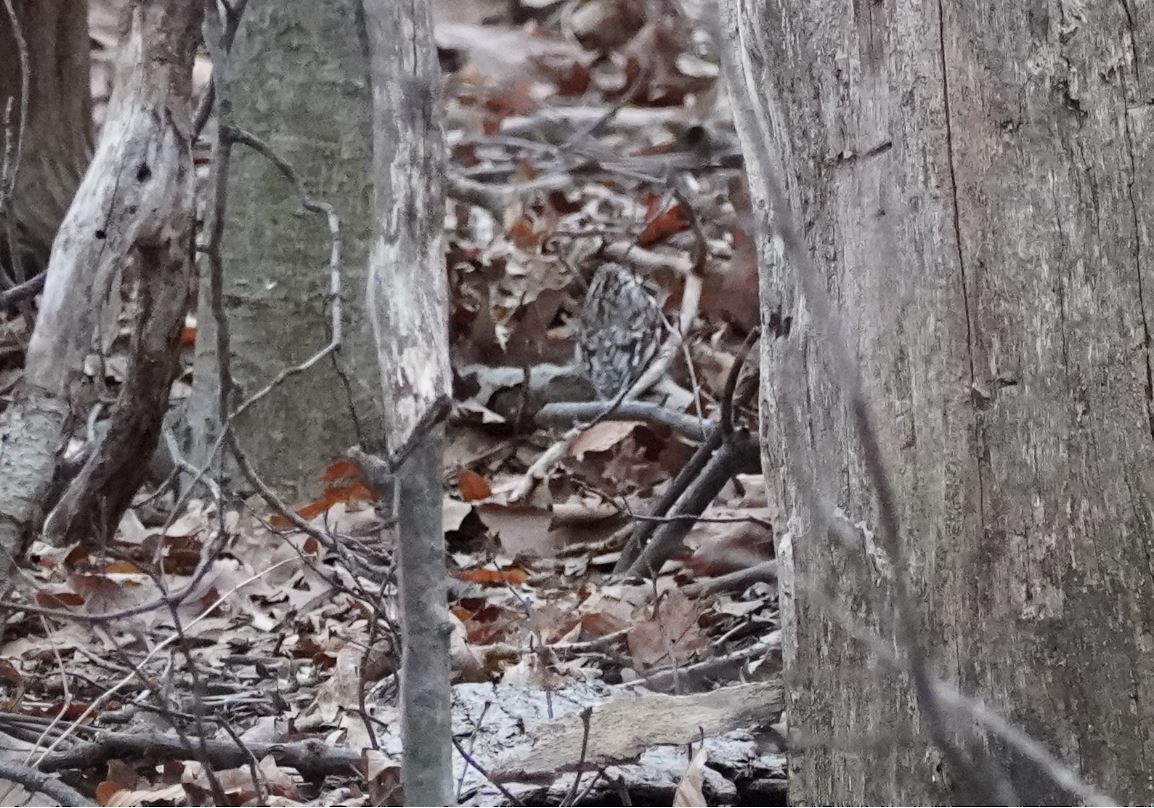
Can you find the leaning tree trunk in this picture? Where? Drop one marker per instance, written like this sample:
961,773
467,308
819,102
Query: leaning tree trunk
42,155
408,302
135,202
298,80
976,183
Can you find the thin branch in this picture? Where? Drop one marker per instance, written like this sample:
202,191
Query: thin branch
586,716
728,403
566,413
25,290
42,783
506,793
1054,769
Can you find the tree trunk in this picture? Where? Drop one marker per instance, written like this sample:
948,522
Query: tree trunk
408,301
299,81
50,149
974,184
136,200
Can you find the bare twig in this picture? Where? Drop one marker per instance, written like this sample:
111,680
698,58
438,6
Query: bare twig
25,290
586,715
43,783
725,453
728,404
232,17
564,413
506,793
1054,769
733,581
310,757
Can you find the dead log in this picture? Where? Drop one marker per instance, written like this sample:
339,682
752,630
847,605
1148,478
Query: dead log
623,728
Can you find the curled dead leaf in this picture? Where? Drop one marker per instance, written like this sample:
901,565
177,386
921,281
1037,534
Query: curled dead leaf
473,486
690,790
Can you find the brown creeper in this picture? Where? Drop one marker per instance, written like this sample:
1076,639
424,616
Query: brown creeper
621,330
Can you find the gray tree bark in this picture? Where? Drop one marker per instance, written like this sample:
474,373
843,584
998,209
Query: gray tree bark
47,150
299,81
975,182
135,200
408,302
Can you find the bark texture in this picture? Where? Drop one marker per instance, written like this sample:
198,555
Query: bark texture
136,199
49,148
299,81
408,304
976,182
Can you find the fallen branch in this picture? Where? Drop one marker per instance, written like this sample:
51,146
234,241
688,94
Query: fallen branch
43,783
703,675
310,758
623,728
23,291
727,452
734,581
567,413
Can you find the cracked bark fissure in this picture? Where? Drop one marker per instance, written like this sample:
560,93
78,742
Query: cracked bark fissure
1138,266
958,246
995,266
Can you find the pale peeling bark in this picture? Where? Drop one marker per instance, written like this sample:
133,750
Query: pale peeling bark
135,198
974,181
408,304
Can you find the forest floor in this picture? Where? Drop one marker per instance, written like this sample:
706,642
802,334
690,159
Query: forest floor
578,133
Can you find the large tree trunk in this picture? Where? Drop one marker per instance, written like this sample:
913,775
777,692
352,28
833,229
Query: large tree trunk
975,185
135,203
408,301
51,147
299,81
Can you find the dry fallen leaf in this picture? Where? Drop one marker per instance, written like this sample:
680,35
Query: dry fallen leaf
689,790
672,634
601,437
473,486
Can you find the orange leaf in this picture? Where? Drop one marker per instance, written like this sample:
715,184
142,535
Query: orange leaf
187,337
313,509
663,226
106,791
9,674
125,567
473,486
491,577
340,469
58,600
522,234
332,495
357,491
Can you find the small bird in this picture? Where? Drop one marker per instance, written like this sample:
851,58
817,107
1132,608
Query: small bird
621,330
